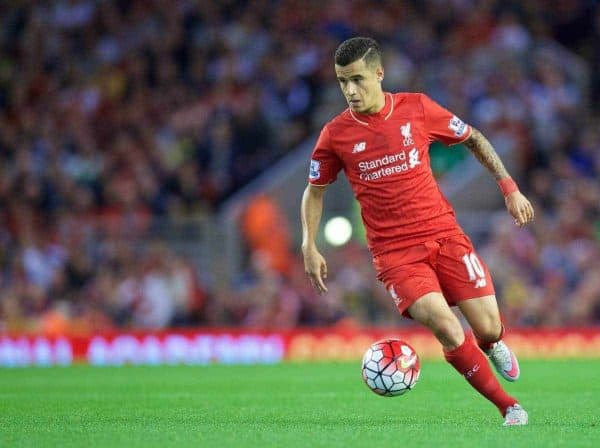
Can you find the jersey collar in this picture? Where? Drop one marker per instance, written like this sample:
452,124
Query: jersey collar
383,114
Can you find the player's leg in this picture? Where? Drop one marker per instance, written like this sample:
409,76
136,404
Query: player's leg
463,276
467,283
432,311
413,284
460,350
484,318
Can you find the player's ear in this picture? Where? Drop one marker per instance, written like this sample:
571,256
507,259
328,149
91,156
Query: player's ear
379,73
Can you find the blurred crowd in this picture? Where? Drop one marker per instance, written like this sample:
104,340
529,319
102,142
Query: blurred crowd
116,114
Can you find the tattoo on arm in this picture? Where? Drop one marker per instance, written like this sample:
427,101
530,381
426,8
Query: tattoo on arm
486,154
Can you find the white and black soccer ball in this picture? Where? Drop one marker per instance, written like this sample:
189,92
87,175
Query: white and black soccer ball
390,367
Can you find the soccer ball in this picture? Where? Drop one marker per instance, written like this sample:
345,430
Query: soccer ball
390,367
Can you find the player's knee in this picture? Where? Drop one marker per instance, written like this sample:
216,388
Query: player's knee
490,330
449,332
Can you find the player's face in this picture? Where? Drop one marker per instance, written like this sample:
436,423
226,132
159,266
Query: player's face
361,86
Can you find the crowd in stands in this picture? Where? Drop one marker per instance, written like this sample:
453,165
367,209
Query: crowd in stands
116,114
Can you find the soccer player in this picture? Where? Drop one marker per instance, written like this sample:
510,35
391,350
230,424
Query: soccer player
420,253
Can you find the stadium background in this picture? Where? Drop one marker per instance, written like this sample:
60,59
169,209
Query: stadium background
153,154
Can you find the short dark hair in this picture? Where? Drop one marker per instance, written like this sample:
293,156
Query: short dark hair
356,48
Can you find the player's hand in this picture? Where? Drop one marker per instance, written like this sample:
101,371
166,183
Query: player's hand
520,208
316,269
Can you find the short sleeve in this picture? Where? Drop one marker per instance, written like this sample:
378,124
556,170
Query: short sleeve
324,164
442,125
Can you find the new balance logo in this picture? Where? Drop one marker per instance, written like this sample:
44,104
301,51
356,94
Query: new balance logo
359,147
405,131
472,372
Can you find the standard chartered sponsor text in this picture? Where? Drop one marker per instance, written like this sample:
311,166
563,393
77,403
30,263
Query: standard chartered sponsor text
382,161
381,167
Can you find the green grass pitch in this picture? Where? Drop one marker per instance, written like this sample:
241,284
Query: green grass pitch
289,405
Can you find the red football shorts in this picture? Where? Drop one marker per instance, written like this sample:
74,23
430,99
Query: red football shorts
449,265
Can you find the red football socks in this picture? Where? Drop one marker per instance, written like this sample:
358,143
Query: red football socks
470,362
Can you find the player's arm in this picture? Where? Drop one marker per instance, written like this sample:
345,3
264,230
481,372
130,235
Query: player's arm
517,204
310,212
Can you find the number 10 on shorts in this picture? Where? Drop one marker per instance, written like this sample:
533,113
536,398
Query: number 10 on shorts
475,270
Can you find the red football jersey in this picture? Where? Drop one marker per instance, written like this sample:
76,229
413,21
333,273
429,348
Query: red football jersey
385,157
